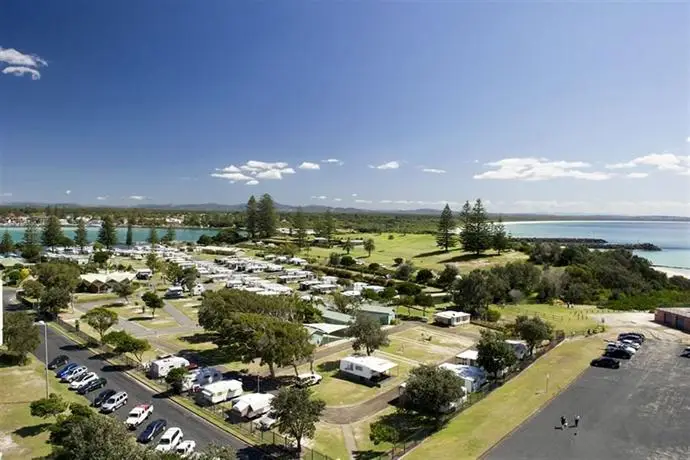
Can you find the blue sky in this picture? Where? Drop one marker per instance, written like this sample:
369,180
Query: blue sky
533,107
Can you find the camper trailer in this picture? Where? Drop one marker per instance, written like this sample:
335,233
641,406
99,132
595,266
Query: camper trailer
144,273
220,391
174,292
252,405
200,377
161,367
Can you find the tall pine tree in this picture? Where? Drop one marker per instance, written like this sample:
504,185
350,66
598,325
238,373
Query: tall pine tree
476,231
31,247
328,227
445,237
107,235
252,217
300,224
267,218
169,236
52,232
153,236
6,245
81,239
129,239
499,237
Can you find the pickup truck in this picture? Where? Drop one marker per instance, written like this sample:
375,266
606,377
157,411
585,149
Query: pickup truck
138,415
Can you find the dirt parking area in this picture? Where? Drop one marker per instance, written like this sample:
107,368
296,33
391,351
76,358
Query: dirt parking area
640,321
640,411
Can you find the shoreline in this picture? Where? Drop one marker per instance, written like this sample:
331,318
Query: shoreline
685,273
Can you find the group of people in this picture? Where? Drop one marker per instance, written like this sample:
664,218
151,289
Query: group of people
564,422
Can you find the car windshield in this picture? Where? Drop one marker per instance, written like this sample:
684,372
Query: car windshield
165,441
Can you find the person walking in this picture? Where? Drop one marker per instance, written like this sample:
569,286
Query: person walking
577,421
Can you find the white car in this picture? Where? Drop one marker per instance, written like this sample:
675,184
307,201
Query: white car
618,345
82,380
185,449
138,415
307,380
266,421
74,373
170,439
630,343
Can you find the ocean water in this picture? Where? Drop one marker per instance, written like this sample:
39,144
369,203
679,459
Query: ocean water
672,237
138,234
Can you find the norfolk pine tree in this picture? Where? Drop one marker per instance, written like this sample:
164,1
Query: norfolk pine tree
31,247
267,218
300,224
445,237
252,217
52,232
129,239
80,236
6,245
107,235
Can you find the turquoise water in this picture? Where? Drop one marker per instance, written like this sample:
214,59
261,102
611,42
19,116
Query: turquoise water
672,237
138,234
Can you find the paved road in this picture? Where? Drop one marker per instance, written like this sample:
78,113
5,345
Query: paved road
193,427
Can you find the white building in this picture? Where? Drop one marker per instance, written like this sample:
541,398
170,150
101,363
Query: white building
369,368
451,318
474,377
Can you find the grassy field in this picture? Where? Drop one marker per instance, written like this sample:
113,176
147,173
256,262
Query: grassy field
21,435
570,320
361,431
484,424
189,307
337,391
420,249
328,439
460,337
133,313
422,352
89,297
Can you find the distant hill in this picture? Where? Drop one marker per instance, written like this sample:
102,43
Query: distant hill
217,207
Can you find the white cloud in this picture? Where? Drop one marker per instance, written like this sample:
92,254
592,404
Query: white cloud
661,161
67,192
536,169
337,199
136,197
385,201
333,161
319,197
403,202
232,177
354,194
229,169
389,165
6,194
649,207
308,165
636,175
434,171
363,201
687,139
101,198
18,71
253,170
252,182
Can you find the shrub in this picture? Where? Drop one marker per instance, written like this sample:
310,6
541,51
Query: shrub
493,315
391,237
398,260
374,266
347,261
424,276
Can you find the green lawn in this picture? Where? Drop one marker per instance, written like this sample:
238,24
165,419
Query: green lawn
89,297
570,320
484,424
337,391
422,352
188,306
459,338
21,435
328,439
133,313
420,249
362,429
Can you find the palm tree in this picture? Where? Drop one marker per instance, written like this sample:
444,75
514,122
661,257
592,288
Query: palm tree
348,246
369,246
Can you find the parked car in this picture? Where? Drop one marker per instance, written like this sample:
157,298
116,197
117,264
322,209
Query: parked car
639,338
58,361
631,343
620,346
266,422
170,439
138,415
74,373
307,380
152,430
102,397
618,353
114,402
606,362
64,370
685,353
185,448
82,380
93,385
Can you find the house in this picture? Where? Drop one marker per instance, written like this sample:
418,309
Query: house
367,368
474,377
451,318
96,282
520,348
252,405
384,315
324,333
324,288
335,317
467,358
677,318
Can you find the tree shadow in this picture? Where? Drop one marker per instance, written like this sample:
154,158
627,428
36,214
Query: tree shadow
467,258
116,368
73,347
367,454
31,431
211,357
438,252
200,337
104,356
141,318
328,366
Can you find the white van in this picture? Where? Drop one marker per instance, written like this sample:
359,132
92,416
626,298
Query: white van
170,439
114,402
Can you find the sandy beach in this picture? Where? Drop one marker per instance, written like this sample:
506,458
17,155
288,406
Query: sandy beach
673,271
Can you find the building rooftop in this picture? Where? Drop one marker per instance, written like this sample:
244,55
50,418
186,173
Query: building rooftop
377,309
682,311
371,362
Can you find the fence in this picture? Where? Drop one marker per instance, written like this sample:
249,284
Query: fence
401,448
285,446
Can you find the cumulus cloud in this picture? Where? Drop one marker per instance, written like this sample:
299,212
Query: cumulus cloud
385,201
252,182
309,165
636,175
232,177
536,169
67,192
660,161
253,170
333,161
389,165
337,199
6,194
354,194
20,64
319,197
101,198
434,171
136,197
363,201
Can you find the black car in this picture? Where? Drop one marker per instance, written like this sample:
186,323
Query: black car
95,385
685,353
634,336
152,430
605,361
58,361
618,353
102,397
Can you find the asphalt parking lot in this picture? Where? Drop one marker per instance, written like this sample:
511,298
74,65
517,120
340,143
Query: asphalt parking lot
640,411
